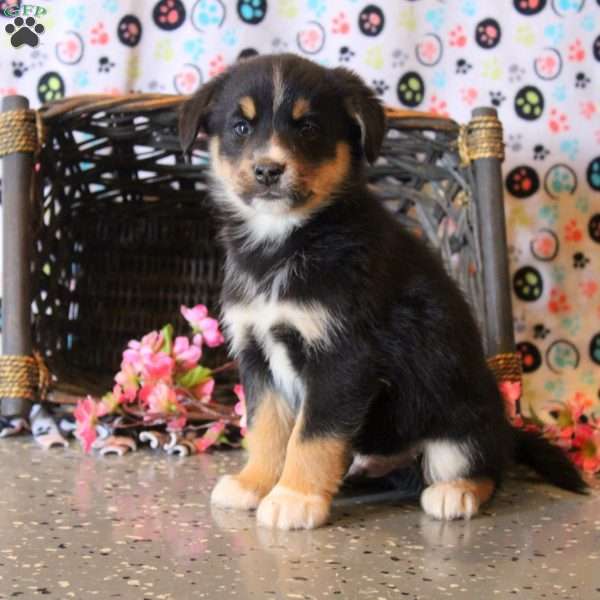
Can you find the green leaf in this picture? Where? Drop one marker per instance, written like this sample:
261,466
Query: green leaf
167,333
194,376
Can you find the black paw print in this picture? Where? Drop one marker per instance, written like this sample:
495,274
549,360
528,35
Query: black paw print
462,66
380,86
18,68
24,31
581,80
580,260
540,331
346,54
515,73
540,152
497,98
105,64
399,58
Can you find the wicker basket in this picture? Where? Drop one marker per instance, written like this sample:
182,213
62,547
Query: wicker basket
124,229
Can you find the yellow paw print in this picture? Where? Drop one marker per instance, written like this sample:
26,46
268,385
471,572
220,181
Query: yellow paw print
133,67
287,9
374,57
525,35
164,51
518,217
408,19
492,69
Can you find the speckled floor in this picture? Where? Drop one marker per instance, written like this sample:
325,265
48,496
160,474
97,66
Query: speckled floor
140,526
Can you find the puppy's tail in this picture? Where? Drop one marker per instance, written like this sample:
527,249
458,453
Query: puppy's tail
549,461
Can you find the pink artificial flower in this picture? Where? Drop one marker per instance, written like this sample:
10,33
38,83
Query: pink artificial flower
127,379
185,353
86,413
210,437
178,423
587,443
567,418
511,392
202,324
204,391
158,367
136,351
240,408
162,399
112,400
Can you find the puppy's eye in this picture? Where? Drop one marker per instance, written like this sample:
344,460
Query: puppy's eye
242,128
309,129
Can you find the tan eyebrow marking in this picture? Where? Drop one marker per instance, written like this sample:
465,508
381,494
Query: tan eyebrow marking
248,107
278,87
300,108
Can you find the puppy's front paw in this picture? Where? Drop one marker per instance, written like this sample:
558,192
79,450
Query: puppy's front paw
450,500
287,509
231,493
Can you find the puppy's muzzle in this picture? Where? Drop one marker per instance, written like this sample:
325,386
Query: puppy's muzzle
268,173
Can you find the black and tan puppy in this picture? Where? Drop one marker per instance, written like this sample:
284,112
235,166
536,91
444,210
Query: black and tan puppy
353,342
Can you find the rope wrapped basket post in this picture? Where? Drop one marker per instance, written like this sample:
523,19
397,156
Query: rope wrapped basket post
124,232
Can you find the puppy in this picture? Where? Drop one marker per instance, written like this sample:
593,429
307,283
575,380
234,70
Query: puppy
352,340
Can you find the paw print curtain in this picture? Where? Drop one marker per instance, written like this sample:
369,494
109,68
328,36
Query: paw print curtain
537,61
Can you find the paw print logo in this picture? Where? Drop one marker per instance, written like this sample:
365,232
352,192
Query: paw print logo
24,31
558,122
18,68
169,14
438,106
580,260
488,33
594,228
462,66
371,20
576,51
582,80
469,95
497,98
572,231
529,103
558,302
187,80
380,86
105,64
540,331
593,174
562,355
311,39
411,89
340,24
99,35
252,12
522,182
548,64
216,65
50,87
540,152
208,13
429,50
129,31
560,179
457,37
531,359
346,54
528,284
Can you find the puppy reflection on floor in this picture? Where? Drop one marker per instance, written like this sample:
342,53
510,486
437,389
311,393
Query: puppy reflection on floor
354,344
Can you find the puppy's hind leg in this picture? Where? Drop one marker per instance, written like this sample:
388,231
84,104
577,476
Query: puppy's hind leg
452,493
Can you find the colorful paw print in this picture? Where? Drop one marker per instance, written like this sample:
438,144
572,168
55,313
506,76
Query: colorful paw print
50,87
457,38
411,89
371,20
528,284
99,35
216,65
529,103
522,182
488,33
317,7
129,31
169,14
558,302
252,12
593,174
208,13
340,24
438,106
559,122
576,51
469,95
573,233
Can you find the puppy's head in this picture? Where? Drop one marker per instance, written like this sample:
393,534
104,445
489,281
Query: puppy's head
286,135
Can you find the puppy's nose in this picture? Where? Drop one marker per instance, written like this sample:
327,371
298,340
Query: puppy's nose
268,173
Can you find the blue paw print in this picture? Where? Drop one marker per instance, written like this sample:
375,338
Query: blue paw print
76,14
81,79
549,213
562,180
110,6
555,32
560,93
566,6
439,79
208,13
316,6
588,23
230,38
570,148
195,48
435,18
558,274
252,11
593,174
468,8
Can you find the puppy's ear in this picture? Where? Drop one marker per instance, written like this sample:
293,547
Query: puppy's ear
194,112
365,108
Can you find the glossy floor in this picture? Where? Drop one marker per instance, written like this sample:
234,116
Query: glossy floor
141,527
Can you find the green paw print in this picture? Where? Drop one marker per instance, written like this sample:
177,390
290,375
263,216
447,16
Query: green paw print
288,9
164,51
374,57
529,103
51,87
492,69
411,89
408,19
571,324
525,35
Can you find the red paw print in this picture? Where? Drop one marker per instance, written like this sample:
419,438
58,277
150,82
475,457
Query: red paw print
558,301
559,122
588,109
99,35
216,65
458,37
572,232
340,24
588,288
113,91
469,95
576,51
437,106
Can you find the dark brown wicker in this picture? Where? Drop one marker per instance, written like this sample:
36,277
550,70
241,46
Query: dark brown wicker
124,229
